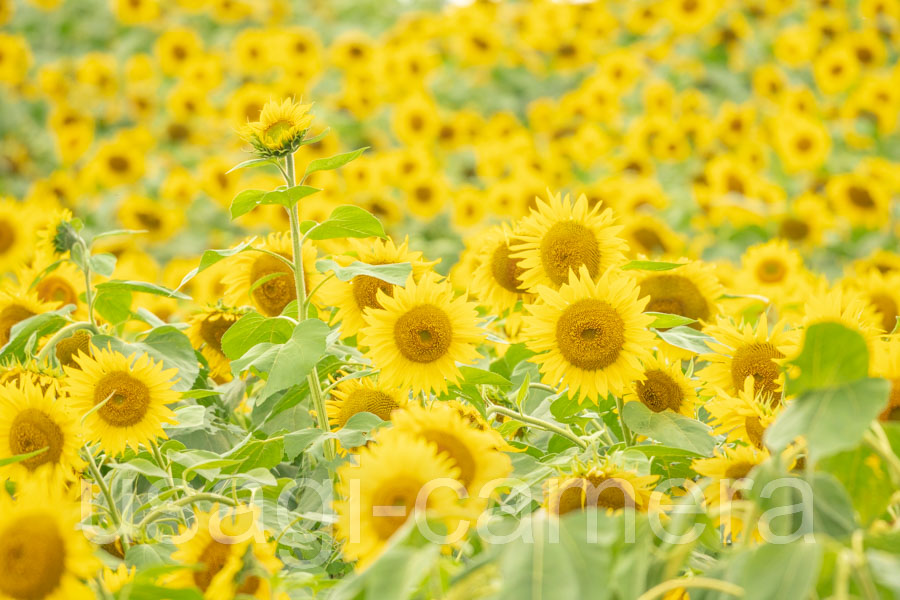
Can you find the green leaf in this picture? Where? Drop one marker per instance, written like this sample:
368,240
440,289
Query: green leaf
103,264
253,162
831,419
782,571
687,339
9,460
347,222
832,355
256,454
357,429
245,201
250,199
166,344
866,479
396,273
31,330
252,329
211,257
333,162
650,265
114,305
669,428
316,138
142,467
140,286
667,321
475,376
296,443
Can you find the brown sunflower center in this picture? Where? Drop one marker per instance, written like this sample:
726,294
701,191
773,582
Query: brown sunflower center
56,289
67,349
738,470
892,411
649,240
365,291
756,360
148,220
590,334
9,316
424,333
32,430
793,229
608,492
456,450
395,501
771,270
278,289
32,558
119,164
213,327
755,431
660,392
887,308
860,197
129,399
213,559
676,295
506,270
376,402
7,236
566,246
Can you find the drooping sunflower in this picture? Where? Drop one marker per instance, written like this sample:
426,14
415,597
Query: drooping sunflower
134,391
227,554
664,386
274,283
15,307
421,334
591,335
560,237
469,449
43,556
355,396
30,419
728,471
497,278
606,486
385,488
773,270
205,332
886,364
352,298
743,417
746,350
280,128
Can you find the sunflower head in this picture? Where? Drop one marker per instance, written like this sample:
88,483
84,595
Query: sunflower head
606,487
355,396
280,129
664,386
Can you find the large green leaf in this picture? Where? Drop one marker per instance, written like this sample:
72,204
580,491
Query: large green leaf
140,286
247,200
687,338
27,332
253,328
347,222
865,477
782,571
669,428
333,162
166,344
211,257
832,355
650,265
396,273
667,320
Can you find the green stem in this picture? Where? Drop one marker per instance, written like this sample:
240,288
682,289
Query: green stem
184,501
626,433
104,489
704,583
537,423
88,288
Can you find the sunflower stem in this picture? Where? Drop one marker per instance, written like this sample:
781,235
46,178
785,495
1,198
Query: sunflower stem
566,433
315,386
88,289
104,489
704,583
184,501
626,433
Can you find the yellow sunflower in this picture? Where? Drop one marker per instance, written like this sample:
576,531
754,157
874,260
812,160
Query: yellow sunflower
560,237
205,332
226,553
15,307
862,201
421,335
265,281
133,391
691,290
43,556
16,234
663,386
746,350
30,419
352,298
114,580
45,377
607,487
882,291
355,396
886,364
743,417
728,472
280,128
649,235
63,285
846,307
393,480
773,270
497,278
469,449
69,347
591,335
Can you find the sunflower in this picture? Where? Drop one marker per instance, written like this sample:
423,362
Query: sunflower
590,334
15,307
846,307
560,237
728,471
114,580
394,479
861,200
46,378
470,450
497,278
355,396
205,332
802,143
16,234
649,235
62,285
691,290
227,554
265,281
69,347
886,364
280,128
745,350
743,417
421,334
663,386
352,298
772,269
607,487
882,291
43,556
159,220
133,392
471,415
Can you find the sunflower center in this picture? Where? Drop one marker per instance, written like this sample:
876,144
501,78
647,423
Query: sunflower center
32,558
590,334
32,430
393,503
9,316
67,349
755,431
506,270
119,164
213,558
148,220
56,289
424,333
887,308
675,295
794,229
738,470
278,129
860,197
756,360
457,451
7,236
365,291
365,400
213,328
608,492
771,270
129,399
566,246
649,240
660,392
892,412
279,288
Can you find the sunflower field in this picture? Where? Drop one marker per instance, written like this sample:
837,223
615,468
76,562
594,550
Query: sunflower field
418,299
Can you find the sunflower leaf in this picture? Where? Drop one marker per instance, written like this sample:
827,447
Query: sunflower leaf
687,339
9,460
667,320
211,257
253,329
141,286
33,327
669,428
832,355
347,222
650,265
253,162
395,273
165,344
333,162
